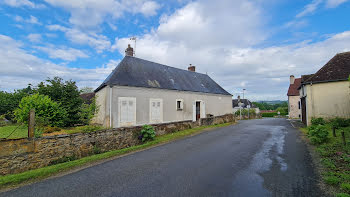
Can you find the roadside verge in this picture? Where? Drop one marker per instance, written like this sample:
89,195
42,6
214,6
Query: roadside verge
13,180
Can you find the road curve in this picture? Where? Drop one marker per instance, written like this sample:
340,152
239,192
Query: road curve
264,157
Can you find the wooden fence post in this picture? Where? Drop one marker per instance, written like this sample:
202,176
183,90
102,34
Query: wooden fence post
334,135
343,137
31,123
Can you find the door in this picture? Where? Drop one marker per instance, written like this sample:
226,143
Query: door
198,110
127,111
303,110
156,110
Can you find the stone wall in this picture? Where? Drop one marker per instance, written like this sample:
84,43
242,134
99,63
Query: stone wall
20,155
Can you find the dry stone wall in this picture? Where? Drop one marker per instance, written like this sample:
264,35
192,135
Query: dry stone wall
20,155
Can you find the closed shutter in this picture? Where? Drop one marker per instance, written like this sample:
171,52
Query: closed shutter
194,111
156,108
203,109
127,112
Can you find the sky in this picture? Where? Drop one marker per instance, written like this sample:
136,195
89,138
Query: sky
241,44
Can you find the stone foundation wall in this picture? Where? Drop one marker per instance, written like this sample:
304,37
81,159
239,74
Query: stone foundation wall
20,155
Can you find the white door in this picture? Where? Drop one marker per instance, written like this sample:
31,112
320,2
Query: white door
127,111
156,110
194,111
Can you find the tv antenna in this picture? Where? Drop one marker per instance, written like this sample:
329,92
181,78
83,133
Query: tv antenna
134,39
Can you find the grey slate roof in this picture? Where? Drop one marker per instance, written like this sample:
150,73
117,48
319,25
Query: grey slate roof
136,72
245,102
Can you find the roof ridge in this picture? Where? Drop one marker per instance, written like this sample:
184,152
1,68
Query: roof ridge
166,65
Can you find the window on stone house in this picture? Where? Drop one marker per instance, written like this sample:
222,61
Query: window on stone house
179,104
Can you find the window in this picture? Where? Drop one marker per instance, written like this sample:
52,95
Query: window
179,104
299,104
156,110
127,111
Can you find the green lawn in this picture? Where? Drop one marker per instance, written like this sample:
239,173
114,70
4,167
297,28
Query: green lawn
335,158
44,172
20,132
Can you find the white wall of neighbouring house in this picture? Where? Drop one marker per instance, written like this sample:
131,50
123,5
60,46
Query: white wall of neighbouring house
328,100
214,104
294,111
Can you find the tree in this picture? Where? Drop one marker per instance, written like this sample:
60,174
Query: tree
10,101
47,111
67,94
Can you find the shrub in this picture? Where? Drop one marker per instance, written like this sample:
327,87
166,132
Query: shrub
318,134
147,133
342,195
88,111
47,111
345,187
331,180
269,114
96,150
318,121
340,122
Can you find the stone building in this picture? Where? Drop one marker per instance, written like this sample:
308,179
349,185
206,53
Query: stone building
326,93
140,92
294,105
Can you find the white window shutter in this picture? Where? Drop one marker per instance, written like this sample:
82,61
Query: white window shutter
194,111
203,109
182,104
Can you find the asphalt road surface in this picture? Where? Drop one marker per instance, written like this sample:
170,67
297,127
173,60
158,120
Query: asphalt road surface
263,157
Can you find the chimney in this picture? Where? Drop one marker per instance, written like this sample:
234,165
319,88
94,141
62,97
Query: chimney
129,51
292,79
192,68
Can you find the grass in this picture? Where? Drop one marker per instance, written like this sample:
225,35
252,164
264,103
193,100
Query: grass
20,132
335,159
41,173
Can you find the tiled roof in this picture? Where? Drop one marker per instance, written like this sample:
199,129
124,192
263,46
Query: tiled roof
136,72
337,69
87,97
293,88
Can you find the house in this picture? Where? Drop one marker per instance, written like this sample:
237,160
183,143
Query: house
294,105
326,93
139,92
244,104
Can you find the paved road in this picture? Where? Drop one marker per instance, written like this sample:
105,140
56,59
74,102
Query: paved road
254,158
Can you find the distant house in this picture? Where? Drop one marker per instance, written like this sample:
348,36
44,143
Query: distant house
294,105
326,93
244,104
141,92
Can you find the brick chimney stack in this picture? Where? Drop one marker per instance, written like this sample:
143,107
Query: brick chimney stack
129,51
192,68
292,79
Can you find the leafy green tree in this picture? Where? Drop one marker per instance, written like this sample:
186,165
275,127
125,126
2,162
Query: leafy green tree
9,101
47,111
67,94
88,111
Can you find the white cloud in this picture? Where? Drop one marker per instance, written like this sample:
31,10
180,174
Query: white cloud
98,42
334,3
316,4
34,37
64,53
18,68
90,14
31,20
309,8
23,3
192,35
